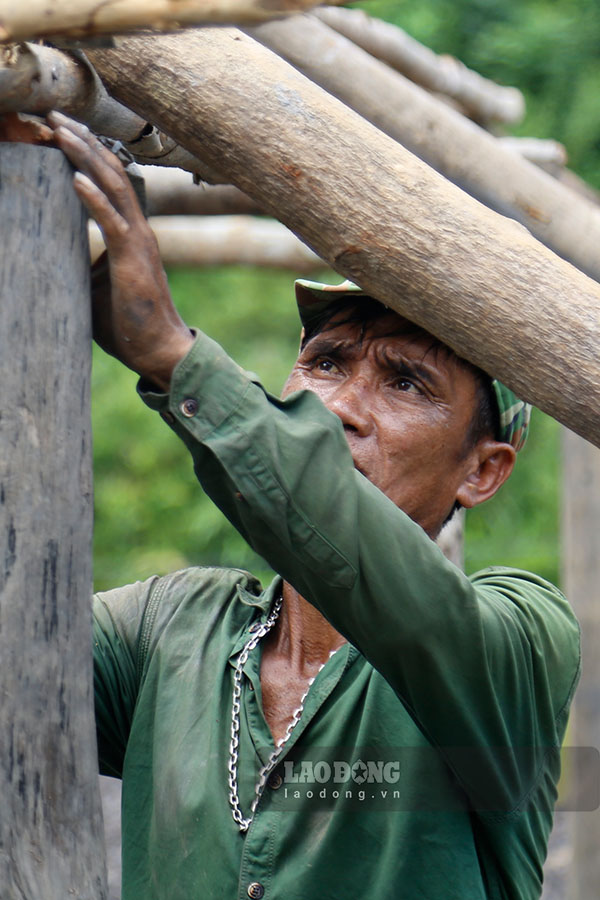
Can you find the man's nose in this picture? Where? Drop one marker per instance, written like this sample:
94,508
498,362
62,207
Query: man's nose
350,401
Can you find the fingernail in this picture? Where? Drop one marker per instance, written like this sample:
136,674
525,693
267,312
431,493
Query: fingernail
65,133
83,181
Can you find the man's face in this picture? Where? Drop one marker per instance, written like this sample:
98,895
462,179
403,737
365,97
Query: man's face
406,404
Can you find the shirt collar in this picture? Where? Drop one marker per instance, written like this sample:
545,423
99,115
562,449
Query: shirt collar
262,604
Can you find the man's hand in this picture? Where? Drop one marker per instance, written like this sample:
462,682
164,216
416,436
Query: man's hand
138,322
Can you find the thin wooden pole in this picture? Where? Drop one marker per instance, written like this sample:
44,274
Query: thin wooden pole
482,98
50,820
581,571
85,18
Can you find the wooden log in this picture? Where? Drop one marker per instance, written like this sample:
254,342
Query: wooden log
482,99
225,241
51,823
35,79
172,192
84,18
549,155
374,212
578,185
581,577
457,148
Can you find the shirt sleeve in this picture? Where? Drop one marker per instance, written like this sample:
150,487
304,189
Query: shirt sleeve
118,618
485,665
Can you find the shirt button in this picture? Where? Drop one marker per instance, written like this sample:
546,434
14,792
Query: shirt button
256,890
189,407
254,627
275,781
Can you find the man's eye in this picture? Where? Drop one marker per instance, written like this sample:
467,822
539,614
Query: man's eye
324,365
406,384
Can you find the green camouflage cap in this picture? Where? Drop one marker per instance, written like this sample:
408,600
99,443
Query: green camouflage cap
313,299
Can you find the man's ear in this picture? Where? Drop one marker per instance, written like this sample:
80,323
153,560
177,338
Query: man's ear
492,463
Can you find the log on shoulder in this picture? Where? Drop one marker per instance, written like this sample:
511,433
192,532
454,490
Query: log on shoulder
374,212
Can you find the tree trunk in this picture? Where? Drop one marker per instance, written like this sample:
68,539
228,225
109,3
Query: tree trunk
581,570
484,100
51,824
457,148
374,212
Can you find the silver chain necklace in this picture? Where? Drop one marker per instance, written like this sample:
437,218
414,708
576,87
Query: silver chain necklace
234,799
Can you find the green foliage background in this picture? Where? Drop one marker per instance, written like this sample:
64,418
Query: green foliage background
151,515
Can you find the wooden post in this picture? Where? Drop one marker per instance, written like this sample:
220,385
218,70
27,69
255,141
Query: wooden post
50,824
581,571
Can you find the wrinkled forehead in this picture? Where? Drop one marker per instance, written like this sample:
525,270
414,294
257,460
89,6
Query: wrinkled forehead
363,319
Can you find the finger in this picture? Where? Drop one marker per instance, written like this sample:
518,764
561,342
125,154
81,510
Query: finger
114,227
92,161
87,153
58,120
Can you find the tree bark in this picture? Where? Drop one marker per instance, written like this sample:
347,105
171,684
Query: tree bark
225,241
457,148
84,18
481,98
51,823
374,212
581,576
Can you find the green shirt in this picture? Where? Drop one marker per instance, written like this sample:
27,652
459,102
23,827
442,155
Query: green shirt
450,695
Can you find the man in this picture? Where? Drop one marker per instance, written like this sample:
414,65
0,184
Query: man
375,723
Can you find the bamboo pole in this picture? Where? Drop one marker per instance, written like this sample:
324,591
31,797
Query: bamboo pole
457,148
85,18
482,99
374,212
50,824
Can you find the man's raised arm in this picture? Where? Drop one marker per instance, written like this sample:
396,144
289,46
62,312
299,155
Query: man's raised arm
137,323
